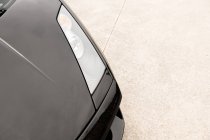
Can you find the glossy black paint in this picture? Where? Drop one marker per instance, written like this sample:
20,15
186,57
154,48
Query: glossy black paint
43,94
31,103
102,89
105,104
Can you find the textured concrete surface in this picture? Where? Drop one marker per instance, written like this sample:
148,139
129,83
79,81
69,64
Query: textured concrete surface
159,51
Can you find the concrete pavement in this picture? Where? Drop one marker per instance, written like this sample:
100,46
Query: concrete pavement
159,51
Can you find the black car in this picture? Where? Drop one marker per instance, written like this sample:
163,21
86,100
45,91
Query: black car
54,82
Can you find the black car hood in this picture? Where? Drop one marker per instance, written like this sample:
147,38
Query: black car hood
43,95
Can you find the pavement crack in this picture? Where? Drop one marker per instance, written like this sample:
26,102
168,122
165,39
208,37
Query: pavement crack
114,25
